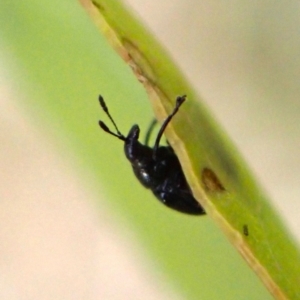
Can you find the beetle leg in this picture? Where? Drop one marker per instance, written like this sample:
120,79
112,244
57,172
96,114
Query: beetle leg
149,131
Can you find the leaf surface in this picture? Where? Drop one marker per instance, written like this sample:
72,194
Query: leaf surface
217,174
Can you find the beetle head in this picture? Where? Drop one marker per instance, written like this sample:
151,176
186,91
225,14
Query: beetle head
133,134
132,146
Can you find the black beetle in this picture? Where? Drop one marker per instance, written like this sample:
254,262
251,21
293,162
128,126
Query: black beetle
157,168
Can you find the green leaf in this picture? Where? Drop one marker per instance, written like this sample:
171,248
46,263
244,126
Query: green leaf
218,176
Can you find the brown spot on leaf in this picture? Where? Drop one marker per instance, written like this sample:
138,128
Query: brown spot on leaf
139,62
245,230
211,181
100,7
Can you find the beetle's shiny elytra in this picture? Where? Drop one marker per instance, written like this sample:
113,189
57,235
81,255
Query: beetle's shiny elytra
157,168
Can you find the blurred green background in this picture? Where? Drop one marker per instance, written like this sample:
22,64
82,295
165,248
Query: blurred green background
76,224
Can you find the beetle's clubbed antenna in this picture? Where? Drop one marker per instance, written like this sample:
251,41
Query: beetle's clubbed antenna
119,135
179,101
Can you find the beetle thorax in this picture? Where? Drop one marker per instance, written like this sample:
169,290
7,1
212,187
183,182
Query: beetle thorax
140,157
